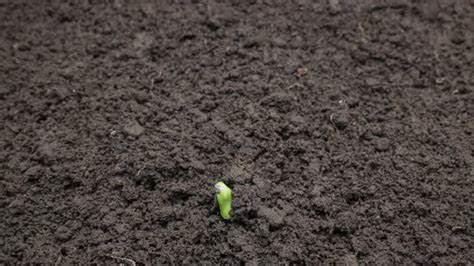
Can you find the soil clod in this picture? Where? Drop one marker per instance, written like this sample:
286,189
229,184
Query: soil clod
382,144
274,217
133,128
340,119
63,233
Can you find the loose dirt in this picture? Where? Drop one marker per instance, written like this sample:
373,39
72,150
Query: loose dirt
345,129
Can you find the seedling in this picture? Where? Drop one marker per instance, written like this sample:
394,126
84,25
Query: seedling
224,199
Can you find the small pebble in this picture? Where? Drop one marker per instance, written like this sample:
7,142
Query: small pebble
302,71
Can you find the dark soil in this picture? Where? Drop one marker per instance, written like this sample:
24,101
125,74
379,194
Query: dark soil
345,129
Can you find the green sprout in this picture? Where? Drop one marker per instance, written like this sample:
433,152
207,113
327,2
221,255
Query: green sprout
224,199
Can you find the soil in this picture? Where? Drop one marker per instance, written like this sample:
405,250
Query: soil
344,128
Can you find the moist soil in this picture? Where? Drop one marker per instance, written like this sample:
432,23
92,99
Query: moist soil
345,130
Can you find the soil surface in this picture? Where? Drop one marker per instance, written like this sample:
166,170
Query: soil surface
345,130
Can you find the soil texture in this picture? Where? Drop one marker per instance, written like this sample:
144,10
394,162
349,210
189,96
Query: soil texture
345,129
